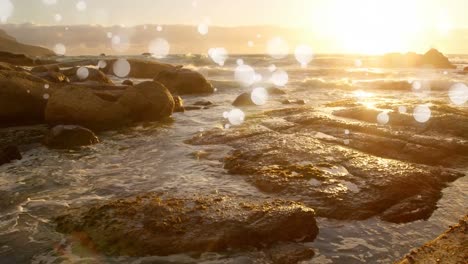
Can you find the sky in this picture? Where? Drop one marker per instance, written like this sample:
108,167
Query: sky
301,13
366,26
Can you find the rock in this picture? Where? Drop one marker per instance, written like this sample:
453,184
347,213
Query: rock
466,69
21,98
450,247
157,225
184,81
141,68
102,55
178,104
127,82
76,105
94,75
286,253
146,54
16,59
203,103
297,101
69,136
46,68
372,170
53,76
243,99
436,59
275,91
4,66
147,101
8,154
433,58
192,108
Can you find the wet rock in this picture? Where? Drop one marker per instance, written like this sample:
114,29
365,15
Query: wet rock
21,97
450,247
94,75
178,104
147,101
76,105
192,108
203,103
302,154
100,109
158,225
127,82
69,136
46,68
290,253
141,68
53,76
433,58
296,101
243,99
184,81
16,59
275,91
9,154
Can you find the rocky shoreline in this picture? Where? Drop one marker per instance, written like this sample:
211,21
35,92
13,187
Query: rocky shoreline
335,161
451,247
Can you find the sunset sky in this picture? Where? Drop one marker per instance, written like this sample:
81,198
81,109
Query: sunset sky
373,26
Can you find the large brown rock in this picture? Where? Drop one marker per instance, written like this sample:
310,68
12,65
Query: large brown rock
184,81
140,68
433,58
21,97
147,101
111,108
9,154
76,105
158,225
69,136
94,75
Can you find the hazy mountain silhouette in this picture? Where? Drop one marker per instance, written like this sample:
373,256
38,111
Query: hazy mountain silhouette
9,44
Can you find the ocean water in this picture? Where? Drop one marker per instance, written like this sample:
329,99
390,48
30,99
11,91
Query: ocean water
153,157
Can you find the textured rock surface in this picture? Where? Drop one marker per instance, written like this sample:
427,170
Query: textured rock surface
69,136
451,247
346,169
158,225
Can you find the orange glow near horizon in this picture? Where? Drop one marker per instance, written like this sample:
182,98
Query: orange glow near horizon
377,27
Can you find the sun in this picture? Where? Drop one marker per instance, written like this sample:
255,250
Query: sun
372,27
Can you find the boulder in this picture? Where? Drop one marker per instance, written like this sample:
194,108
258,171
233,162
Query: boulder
69,136
140,68
243,99
22,98
46,68
296,101
433,58
203,103
94,75
178,104
160,225
436,59
184,81
77,105
127,82
147,101
8,154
